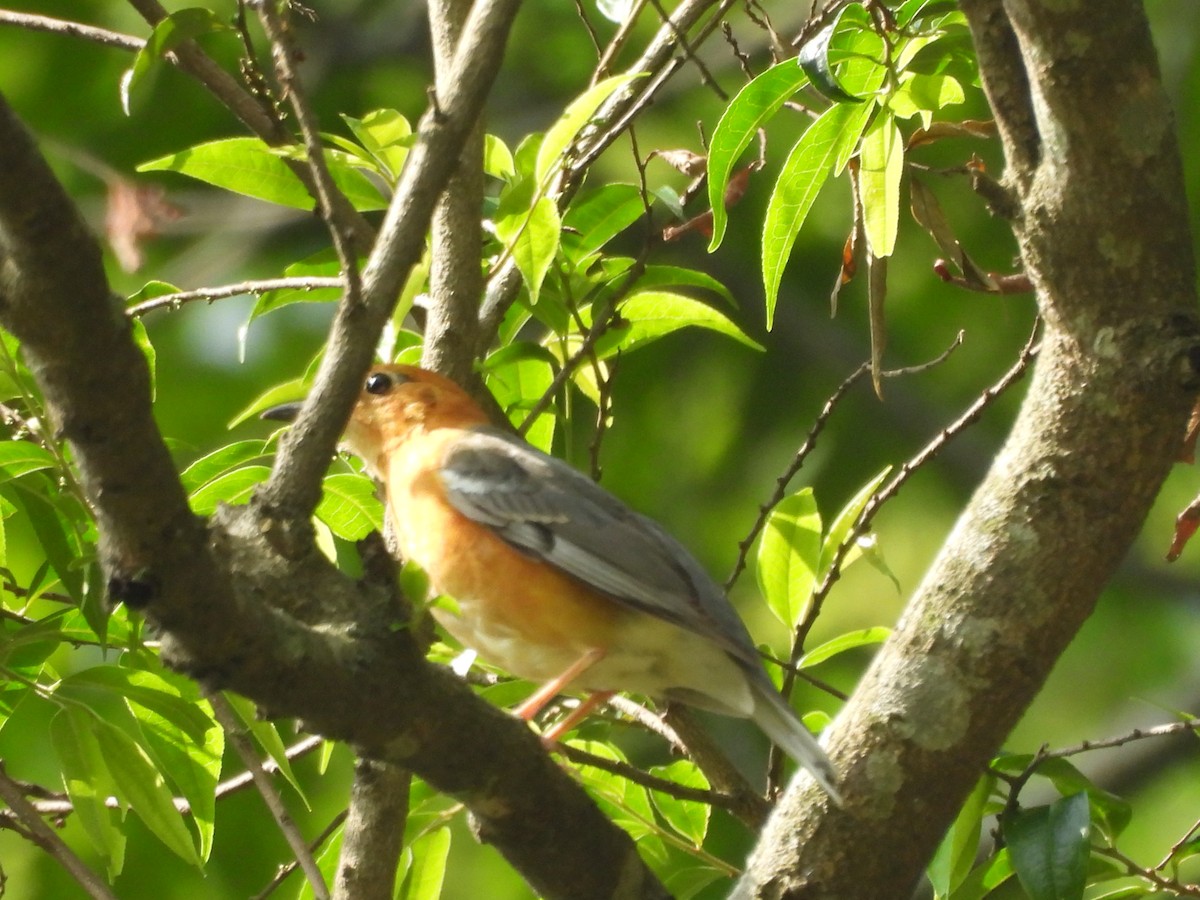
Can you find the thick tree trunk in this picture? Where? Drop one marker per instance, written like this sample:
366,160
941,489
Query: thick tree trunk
1097,199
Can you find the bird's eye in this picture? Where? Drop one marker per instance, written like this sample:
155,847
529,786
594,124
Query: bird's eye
379,383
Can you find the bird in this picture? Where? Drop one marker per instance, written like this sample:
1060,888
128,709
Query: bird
553,578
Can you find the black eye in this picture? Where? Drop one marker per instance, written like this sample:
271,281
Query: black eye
379,383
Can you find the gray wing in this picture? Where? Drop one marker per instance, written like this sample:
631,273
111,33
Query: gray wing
545,508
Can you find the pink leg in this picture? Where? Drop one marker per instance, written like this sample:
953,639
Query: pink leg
542,695
577,715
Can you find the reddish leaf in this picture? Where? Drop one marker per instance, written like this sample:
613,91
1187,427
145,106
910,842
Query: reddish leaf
1185,526
685,161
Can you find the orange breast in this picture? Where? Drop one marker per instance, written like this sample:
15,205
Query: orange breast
516,611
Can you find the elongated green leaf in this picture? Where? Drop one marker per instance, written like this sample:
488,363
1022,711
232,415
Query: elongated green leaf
349,506
851,640
233,487
653,314
146,689
248,166
287,392
232,456
88,784
749,110
171,31
142,786
599,218
1049,847
814,60
20,457
53,531
268,738
497,158
800,180
882,166
788,555
428,869
956,855
845,519
560,135
677,276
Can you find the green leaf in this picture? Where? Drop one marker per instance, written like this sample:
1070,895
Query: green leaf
688,817
985,878
599,218
349,506
220,461
788,555
532,237
53,531
149,291
18,457
142,786
956,854
754,104
881,168
800,180
268,738
233,487
89,784
851,640
560,135
142,339
171,31
387,136
677,276
287,392
1049,847
497,158
845,519
653,314
518,381
428,869
248,166
323,264
814,59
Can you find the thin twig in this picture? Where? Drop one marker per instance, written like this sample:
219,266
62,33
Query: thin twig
102,36
258,286
330,196
48,839
287,869
810,442
234,731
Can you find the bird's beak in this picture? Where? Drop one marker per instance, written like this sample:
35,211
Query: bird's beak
284,412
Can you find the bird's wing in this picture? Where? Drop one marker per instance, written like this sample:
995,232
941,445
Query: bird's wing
543,507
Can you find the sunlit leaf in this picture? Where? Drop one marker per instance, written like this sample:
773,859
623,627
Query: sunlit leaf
88,784
248,166
851,640
349,506
19,457
653,314
956,854
233,487
600,217
754,104
220,461
801,178
428,869
788,555
532,238
386,135
574,118
839,529
881,168
142,786
688,817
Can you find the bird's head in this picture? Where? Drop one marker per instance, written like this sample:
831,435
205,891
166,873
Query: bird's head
397,401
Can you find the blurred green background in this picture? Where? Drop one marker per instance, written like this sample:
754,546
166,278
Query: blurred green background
703,425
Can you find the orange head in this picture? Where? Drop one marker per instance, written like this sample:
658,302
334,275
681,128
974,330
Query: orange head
399,401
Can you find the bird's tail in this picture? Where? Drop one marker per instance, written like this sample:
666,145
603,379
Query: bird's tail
779,722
